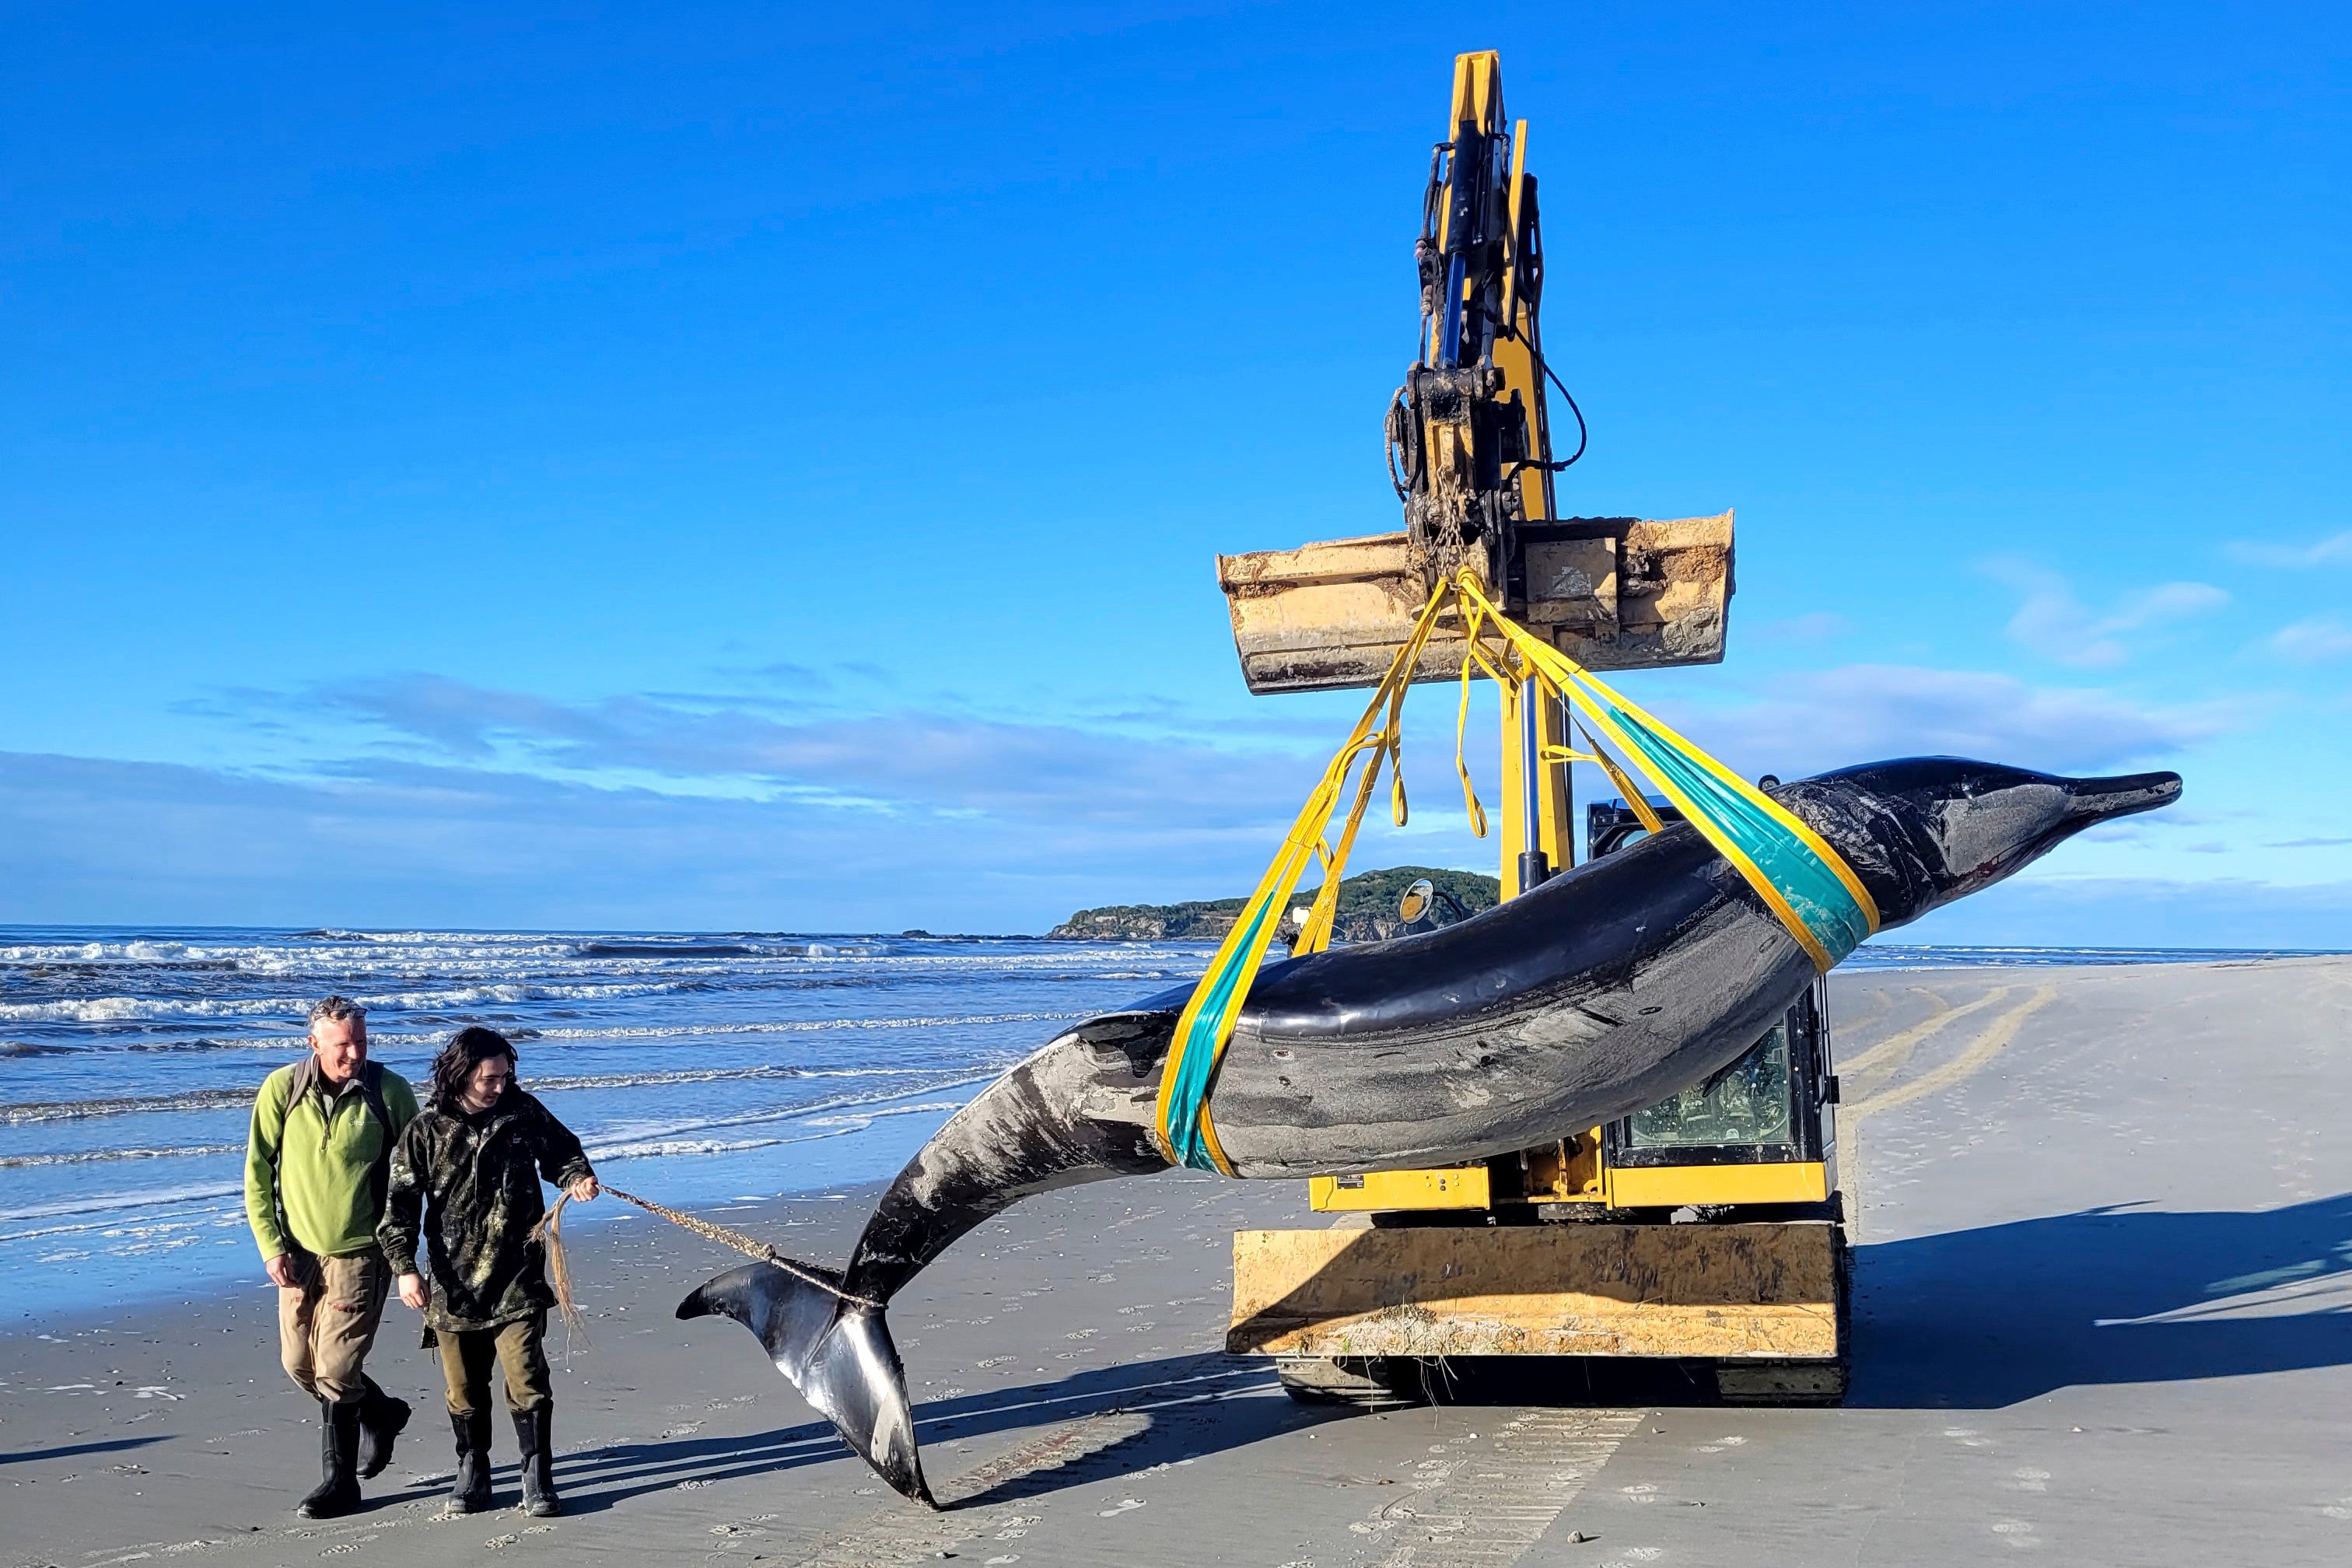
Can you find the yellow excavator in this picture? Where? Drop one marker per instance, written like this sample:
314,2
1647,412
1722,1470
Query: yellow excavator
1706,1230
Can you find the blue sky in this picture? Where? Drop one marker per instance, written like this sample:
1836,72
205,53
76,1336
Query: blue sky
710,467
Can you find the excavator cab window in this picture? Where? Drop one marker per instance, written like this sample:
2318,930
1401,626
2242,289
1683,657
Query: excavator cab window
1748,1102
1764,1109
1611,826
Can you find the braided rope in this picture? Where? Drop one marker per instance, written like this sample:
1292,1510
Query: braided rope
550,1231
550,1236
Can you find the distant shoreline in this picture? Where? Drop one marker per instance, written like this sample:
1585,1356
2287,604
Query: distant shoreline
31,932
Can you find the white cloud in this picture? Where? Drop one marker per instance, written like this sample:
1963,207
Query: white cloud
1866,712
2334,551
90,840
96,840
2053,622
920,761
475,807
2313,638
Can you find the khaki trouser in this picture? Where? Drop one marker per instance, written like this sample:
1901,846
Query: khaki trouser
519,1347
326,1324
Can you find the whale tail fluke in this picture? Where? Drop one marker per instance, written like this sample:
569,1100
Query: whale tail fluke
836,1352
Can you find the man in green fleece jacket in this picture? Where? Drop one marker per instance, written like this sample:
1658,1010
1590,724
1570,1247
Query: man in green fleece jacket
316,1164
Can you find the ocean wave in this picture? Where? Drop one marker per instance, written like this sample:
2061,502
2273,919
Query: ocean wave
29,1048
664,949
165,951
220,1217
95,1156
95,953
678,1128
126,1009
802,1025
113,1203
834,1127
182,1210
821,1112
129,1057
673,1148
281,1044
867,1118
760,1073
29,1113
523,1034
26,1113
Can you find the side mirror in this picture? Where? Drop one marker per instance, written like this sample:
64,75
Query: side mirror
1416,901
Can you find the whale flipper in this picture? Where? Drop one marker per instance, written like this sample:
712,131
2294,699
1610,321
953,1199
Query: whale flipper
837,1353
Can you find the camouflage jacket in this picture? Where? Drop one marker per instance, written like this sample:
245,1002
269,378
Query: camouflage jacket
470,1184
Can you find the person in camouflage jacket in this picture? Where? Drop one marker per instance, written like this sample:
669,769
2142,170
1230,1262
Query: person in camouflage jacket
465,1176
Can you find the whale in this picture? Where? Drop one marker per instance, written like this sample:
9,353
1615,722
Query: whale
1602,990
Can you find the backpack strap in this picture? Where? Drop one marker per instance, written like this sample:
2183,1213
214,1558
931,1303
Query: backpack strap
380,1173
298,1084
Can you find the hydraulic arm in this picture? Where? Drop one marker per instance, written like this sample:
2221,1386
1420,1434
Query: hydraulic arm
1469,443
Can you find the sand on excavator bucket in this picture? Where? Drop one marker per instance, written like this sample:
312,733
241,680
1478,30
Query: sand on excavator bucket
1613,593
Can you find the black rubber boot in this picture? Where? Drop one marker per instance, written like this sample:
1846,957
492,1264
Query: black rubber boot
469,1492
338,1492
381,1418
533,1435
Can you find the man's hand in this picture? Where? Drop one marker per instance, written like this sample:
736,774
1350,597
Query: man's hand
412,1292
285,1272
581,1191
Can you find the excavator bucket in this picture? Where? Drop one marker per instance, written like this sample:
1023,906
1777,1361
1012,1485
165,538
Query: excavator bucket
1612,592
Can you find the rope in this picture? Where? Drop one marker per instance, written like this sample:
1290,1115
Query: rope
749,1245
550,1233
559,1266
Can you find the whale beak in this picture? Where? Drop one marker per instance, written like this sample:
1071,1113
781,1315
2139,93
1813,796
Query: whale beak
2097,800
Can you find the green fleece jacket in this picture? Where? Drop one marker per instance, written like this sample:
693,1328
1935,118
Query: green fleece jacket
316,1161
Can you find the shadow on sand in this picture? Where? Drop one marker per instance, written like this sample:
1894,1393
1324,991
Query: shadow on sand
1214,1388
76,1450
1972,1319
1979,1319
1986,1317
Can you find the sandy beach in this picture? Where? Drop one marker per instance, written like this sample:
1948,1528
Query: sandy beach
2104,1313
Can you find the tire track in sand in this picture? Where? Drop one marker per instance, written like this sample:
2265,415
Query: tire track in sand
1490,1508
908,1531
1971,1059
1886,1057
1978,1051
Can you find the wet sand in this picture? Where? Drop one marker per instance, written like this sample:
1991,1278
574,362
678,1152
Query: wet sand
2104,1313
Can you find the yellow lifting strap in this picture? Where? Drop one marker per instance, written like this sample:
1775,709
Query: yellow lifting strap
1799,877
1792,868
1650,820
1185,1131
